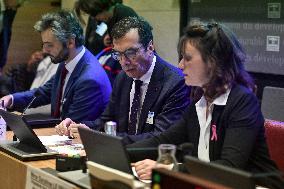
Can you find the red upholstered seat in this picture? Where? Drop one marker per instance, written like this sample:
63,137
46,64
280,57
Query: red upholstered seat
274,131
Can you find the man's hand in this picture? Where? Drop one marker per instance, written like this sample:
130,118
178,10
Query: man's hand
69,128
6,101
62,128
73,129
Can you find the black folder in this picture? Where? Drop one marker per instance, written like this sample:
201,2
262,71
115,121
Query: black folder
39,120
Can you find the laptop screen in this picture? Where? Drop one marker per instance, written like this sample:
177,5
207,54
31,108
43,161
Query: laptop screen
23,132
105,149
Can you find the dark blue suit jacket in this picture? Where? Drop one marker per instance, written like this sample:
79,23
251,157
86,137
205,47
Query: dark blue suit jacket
167,96
86,94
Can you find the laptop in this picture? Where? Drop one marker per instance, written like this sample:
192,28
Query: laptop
29,147
217,173
97,147
106,177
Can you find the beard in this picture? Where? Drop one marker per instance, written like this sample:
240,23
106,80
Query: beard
61,57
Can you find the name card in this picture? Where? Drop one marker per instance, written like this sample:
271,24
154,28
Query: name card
39,179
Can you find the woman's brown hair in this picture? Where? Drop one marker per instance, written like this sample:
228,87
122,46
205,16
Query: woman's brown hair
224,55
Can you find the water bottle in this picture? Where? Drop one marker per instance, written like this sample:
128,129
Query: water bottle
110,128
3,128
166,158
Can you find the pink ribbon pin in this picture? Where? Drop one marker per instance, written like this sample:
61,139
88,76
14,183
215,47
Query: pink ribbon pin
214,133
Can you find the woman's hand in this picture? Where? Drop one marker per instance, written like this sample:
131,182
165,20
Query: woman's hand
144,168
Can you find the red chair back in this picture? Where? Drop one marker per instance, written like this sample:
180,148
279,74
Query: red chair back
274,131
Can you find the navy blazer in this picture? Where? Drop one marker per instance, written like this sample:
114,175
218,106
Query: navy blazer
167,96
86,94
240,134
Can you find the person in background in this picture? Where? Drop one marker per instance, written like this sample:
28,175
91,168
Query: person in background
108,11
225,124
98,39
8,10
80,89
110,65
148,96
41,65
32,74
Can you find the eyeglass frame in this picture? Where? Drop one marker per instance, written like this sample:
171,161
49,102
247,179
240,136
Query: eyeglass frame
118,56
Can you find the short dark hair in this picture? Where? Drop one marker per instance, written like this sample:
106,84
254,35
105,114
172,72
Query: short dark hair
63,24
220,48
94,7
125,25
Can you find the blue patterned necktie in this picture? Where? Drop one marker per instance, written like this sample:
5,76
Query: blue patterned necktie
135,108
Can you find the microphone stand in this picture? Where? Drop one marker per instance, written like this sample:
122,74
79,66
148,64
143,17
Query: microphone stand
34,97
28,105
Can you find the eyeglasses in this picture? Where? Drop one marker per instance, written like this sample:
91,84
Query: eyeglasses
130,53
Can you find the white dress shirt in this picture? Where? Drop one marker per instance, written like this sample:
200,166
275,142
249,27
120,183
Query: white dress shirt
146,80
70,66
204,137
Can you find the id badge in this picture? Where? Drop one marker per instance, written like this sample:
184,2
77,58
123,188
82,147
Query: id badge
150,118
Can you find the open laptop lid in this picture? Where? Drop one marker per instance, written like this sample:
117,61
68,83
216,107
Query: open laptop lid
106,177
23,132
105,149
217,173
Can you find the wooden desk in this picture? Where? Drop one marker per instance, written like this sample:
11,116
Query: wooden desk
41,132
13,171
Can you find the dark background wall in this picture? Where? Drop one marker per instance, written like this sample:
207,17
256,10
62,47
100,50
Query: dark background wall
259,25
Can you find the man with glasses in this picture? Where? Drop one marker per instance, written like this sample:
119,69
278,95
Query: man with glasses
148,96
80,88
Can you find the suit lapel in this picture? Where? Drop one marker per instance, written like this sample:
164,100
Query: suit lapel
216,120
194,132
55,91
75,74
124,103
153,91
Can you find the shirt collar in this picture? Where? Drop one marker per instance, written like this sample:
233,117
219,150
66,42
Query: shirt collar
221,100
70,66
147,76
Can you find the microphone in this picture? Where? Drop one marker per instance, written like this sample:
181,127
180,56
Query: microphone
36,94
138,153
182,150
185,147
